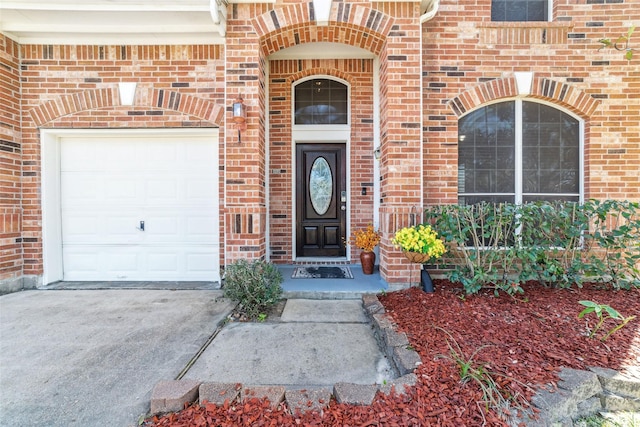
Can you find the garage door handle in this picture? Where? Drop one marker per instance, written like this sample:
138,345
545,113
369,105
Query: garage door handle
141,228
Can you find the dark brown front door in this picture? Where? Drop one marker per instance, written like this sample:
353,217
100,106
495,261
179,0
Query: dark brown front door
321,200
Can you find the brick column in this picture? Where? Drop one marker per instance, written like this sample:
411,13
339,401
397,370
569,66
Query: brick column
11,259
401,138
244,159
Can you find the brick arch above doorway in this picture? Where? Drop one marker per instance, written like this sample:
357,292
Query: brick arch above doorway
94,99
557,92
320,71
295,24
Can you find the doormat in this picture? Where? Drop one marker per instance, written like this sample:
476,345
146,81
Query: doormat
322,273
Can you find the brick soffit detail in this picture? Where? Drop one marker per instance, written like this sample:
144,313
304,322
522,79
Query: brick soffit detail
374,23
557,92
93,99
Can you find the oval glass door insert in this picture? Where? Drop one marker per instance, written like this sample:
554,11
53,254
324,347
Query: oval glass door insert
320,185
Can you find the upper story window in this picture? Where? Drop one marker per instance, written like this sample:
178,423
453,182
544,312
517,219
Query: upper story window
321,102
519,10
519,151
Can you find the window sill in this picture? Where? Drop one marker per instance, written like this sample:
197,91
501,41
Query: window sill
524,33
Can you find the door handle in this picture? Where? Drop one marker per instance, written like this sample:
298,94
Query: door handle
141,228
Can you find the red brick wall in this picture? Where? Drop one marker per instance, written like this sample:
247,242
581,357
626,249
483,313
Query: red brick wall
431,74
76,87
10,163
245,173
469,60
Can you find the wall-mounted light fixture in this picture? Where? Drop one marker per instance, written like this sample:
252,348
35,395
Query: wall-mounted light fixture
239,115
377,153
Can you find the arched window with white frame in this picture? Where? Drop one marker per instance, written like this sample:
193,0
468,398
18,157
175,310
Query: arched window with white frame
520,151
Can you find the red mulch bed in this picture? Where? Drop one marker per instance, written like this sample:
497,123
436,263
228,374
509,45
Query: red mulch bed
528,339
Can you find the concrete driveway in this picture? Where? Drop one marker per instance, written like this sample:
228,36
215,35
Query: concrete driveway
92,357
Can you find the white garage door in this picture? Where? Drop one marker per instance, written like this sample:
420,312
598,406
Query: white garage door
138,207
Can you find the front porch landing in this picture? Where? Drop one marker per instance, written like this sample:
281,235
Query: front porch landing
332,288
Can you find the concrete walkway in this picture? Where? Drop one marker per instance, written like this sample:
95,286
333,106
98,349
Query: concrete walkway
314,343
92,357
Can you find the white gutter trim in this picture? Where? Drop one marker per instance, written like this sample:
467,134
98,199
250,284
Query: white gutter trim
218,18
430,12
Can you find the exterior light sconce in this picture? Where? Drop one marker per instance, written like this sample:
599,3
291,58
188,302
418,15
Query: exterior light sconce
239,115
377,153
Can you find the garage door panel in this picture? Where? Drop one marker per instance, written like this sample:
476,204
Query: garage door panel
200,191
80,188
163,190
109,185
199,155
199,261
105,227
200,228
122,264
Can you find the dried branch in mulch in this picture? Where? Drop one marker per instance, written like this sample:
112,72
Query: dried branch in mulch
527,340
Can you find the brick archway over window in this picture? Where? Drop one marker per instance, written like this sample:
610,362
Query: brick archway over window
108,98
559,93
350,24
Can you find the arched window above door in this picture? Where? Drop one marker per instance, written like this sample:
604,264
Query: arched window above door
321,102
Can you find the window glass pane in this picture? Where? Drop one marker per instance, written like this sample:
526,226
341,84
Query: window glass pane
550,150
487,147
537,11
519,10
534,198
516,10
498,10
486,150
321,101
472,200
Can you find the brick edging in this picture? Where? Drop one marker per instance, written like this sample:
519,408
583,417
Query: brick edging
580,393
170,396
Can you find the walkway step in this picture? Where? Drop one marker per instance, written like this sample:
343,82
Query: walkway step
323,311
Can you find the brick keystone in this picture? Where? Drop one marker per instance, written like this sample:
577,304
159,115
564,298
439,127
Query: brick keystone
354,394
307,400
170,396
217,393
275,394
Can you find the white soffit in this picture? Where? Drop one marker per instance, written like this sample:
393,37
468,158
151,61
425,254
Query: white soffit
322,50
113,21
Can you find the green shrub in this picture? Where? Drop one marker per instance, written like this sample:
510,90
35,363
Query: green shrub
254,284
551,243
560,244
480,244
615,240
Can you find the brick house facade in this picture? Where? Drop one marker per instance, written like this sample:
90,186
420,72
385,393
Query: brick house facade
412,71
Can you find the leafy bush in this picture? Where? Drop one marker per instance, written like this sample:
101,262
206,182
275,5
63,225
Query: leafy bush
560,244
254,284
551,243
615,240
480,244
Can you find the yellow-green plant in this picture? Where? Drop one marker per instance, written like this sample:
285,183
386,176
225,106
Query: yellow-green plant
420,238
604,312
